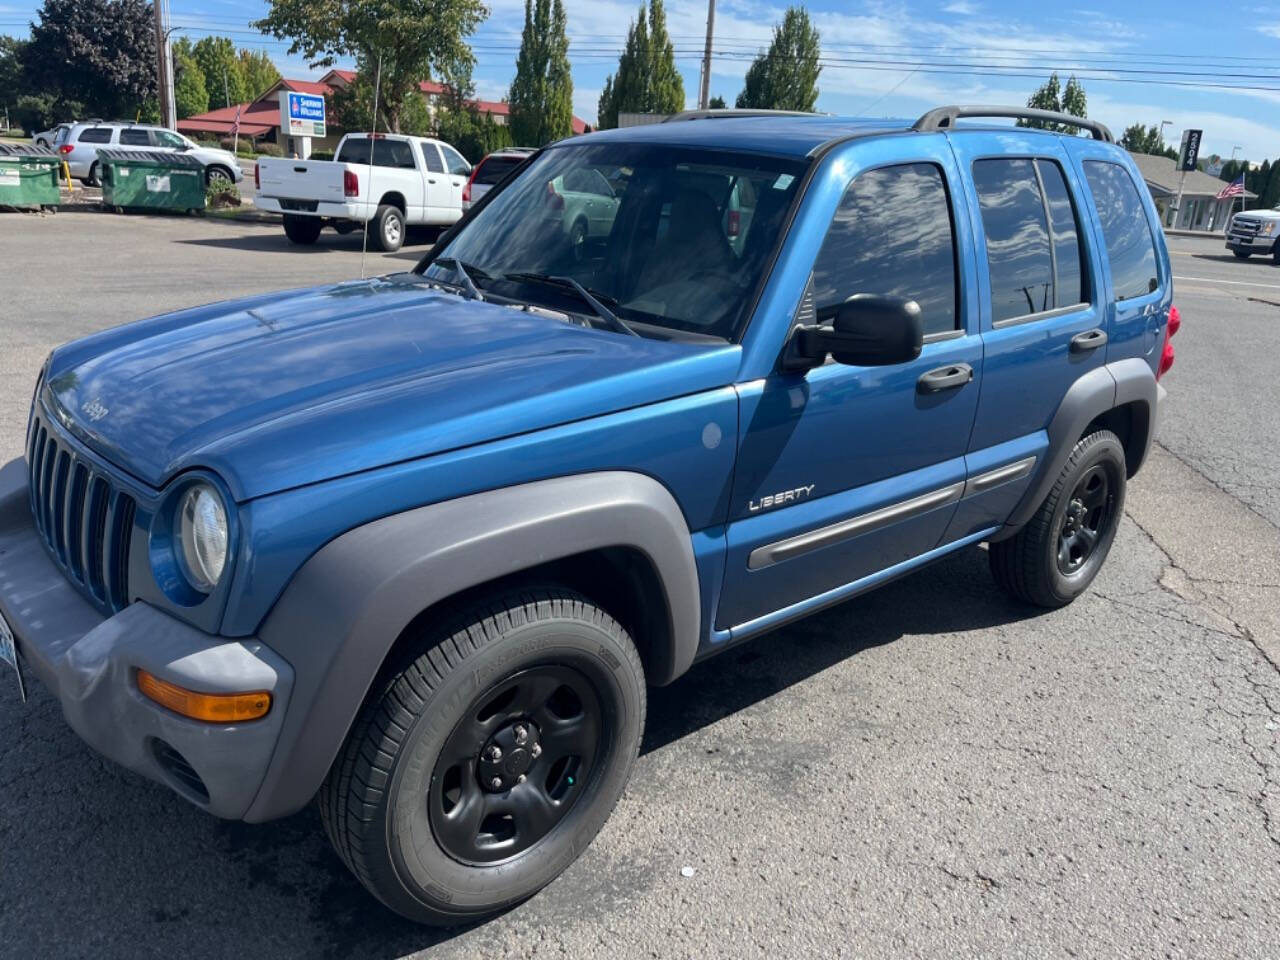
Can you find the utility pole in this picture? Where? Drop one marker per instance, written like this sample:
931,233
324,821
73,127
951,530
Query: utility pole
164,65
704,95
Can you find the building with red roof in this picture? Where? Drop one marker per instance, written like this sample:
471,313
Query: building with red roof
259,120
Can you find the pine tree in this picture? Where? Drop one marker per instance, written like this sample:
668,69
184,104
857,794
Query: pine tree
647,80
716,103
259,73
223,74
786,76
542,92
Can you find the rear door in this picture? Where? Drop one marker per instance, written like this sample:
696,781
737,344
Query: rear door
1043,321
1136,277
844,471
438,187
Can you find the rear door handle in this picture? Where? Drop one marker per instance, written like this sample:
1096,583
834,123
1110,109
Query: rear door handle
429,180
1089,340
945,378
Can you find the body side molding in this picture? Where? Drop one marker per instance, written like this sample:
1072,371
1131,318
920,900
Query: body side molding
346,606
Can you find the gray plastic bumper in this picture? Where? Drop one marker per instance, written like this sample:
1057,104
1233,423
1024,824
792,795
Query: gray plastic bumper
89,662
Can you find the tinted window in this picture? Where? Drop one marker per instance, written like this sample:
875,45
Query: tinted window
95,135
1131,250
454,160
1065,230
892,235
386,153
166,138
495,168
134,138
431,157
1013,218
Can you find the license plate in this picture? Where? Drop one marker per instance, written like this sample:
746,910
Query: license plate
9,654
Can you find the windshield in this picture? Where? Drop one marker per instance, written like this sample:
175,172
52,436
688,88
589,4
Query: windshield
666,237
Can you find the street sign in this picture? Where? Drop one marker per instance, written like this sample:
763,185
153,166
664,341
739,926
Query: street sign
1189,152
302,114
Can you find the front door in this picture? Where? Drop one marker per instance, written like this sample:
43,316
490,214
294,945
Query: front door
844,471
456,171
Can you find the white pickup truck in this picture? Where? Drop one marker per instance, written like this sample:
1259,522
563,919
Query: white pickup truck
408,181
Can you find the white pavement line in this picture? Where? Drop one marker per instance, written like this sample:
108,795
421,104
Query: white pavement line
1238,283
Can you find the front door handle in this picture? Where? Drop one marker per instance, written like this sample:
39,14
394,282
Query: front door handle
945,378
1089,340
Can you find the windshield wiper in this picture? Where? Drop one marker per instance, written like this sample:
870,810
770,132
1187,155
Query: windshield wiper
464,270
611,319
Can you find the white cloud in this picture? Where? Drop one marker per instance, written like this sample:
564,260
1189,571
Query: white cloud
961,8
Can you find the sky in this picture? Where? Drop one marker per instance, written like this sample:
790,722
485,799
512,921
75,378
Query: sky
891,59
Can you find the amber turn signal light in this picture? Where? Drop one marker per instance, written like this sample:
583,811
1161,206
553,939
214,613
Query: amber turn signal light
209,707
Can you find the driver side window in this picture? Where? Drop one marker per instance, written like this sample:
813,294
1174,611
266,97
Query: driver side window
891,235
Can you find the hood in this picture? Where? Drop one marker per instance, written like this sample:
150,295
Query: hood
281,391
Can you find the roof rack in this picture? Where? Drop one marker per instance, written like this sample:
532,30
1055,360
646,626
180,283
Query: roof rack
944,118
734,112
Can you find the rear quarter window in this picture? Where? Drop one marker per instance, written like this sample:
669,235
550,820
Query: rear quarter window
95,135
1131,250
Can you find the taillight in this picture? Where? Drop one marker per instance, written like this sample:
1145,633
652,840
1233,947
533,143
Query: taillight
554,200
350,184
466,191
65,149
257,177
735,222
1172,326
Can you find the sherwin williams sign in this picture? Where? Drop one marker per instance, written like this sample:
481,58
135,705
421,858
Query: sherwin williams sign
302,114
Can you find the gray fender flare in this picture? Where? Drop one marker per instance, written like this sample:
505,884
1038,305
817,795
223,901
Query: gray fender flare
1092,395
345,607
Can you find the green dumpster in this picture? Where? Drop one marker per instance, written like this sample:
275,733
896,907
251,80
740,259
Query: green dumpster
151,180
28,175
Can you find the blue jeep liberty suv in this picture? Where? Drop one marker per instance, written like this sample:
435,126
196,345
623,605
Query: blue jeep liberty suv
415,546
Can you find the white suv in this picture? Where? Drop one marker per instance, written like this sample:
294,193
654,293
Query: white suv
79,146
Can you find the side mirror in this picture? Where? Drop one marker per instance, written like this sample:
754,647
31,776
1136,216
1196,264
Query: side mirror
868,330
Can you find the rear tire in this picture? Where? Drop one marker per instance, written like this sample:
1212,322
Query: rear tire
1054,558
93,179
1242,254
388,228
434,822
302,230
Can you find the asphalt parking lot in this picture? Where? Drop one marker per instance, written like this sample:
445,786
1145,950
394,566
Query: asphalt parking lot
929,770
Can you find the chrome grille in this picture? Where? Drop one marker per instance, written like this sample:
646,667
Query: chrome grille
86,522
1245,227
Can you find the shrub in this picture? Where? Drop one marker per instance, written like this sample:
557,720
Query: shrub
268,150
321,155
221,193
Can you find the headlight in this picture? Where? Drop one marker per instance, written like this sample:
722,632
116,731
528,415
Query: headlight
202,536
1268,227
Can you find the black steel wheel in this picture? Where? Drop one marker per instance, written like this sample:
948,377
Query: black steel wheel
487,761
516,764
1085,519
1054,558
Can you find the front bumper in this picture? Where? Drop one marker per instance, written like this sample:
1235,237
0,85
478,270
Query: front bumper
89,662
1259,244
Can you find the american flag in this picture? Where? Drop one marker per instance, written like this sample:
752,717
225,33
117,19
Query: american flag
1233,189
235,125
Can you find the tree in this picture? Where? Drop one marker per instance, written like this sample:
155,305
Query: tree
1052,97
786,76
223,74
1140,139
413,39
259,73
716,103
647,80
190,95
10,71
353,106
542,92
91,56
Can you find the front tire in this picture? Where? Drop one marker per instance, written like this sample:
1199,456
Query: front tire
302,230
388,228
481,768
217,174
1054,558
1242,254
